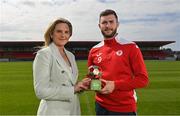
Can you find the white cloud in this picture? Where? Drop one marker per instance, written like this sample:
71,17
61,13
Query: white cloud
29,3
140,19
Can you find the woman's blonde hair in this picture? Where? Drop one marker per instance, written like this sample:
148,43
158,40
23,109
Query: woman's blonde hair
49,31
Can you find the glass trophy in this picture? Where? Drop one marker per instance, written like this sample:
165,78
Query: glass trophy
95,74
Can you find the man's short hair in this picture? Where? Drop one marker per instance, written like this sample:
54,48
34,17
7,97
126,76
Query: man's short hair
108,12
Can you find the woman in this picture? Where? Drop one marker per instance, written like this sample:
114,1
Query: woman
55,73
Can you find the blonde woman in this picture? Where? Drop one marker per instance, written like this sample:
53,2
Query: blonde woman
55,73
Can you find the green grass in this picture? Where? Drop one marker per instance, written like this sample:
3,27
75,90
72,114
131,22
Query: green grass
161,97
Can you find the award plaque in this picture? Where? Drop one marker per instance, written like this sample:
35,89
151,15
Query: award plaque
95,84
95,74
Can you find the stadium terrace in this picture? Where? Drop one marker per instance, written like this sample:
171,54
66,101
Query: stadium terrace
26,50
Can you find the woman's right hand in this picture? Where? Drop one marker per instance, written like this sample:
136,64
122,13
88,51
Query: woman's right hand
82,85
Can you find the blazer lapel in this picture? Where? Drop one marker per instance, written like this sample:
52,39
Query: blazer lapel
73,66
60,60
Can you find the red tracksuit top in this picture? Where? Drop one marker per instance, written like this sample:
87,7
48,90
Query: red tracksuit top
121,61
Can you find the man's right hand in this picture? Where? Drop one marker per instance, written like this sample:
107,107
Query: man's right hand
108,87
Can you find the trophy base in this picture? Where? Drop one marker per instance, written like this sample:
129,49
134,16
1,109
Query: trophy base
95,85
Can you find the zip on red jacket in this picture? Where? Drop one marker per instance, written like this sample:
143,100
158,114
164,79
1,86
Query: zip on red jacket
121,61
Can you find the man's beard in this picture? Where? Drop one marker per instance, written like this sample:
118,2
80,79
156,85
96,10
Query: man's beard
110,35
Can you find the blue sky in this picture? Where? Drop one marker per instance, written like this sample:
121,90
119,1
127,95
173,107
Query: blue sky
140,20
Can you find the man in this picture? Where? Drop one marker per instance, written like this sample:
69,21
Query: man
123,69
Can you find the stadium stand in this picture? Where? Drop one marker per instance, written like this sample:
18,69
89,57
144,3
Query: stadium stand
26,50
153,50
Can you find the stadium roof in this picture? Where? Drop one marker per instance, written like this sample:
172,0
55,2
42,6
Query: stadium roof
153,43
20,43
80,43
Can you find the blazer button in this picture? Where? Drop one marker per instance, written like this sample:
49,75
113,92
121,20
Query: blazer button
62,71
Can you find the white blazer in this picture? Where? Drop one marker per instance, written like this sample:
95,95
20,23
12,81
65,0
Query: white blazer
54,82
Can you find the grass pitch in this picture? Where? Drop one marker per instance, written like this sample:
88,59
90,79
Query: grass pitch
161,97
